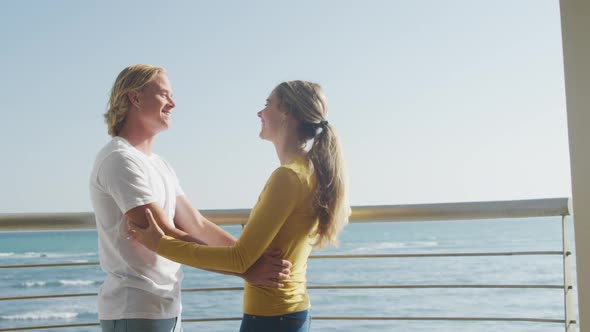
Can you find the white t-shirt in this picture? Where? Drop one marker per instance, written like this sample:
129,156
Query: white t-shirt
139,283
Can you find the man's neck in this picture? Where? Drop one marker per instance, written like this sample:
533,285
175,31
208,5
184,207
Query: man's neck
140,140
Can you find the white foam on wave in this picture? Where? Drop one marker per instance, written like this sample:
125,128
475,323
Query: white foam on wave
6,254
29,284
77,282
41,315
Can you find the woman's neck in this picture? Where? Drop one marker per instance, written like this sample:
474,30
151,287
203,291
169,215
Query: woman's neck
288,150
287,144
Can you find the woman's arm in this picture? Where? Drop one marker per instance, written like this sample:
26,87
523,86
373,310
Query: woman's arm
277,201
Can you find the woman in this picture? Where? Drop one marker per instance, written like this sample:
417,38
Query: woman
302,205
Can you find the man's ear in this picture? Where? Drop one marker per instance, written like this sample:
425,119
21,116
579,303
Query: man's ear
133,98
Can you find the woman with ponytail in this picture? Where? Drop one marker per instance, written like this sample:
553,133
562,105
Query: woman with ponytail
303,205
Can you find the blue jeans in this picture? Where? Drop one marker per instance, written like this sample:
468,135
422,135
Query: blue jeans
293,322
141,325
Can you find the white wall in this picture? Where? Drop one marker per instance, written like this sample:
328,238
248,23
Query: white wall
575,16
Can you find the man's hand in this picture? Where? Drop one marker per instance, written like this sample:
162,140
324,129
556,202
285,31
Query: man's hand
269,270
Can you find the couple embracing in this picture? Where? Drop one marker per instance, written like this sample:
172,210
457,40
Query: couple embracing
147,226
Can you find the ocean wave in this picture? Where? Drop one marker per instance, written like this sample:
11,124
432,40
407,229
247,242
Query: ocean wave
29,284
47,254
41,315
398,245
78,282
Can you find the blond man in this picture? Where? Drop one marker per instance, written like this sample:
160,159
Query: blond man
141,291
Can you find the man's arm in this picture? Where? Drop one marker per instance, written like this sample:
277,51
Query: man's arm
138,217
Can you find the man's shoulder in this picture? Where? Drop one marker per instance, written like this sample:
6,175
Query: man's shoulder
115,144
117,152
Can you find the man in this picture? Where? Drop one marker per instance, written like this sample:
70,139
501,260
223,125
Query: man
142,290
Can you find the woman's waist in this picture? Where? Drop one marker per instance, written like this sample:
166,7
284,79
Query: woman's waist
267,301
292,288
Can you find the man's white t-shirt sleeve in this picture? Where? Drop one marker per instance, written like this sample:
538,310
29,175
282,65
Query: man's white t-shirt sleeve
122,177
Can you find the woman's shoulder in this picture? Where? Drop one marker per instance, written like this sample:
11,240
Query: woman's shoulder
298,170
285,173
300,166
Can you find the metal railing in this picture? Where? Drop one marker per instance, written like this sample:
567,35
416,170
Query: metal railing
391,213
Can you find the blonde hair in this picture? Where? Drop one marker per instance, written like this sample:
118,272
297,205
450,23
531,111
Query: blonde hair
306,102
132,78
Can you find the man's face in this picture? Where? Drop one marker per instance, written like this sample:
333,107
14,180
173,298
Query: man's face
155,103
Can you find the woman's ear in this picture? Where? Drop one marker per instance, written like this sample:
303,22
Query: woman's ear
286,118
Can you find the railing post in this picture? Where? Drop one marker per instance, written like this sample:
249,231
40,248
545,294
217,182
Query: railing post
568,287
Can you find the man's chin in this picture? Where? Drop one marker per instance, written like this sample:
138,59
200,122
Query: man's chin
165,125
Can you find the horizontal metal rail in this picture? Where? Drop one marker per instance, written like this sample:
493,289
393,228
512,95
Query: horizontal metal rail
488,319
361,318
50,296
411,212
47,327
392,287
20,266
459,254
319,287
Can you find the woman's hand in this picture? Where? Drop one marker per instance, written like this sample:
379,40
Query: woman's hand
150,236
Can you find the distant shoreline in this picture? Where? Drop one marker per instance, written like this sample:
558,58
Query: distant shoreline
47,221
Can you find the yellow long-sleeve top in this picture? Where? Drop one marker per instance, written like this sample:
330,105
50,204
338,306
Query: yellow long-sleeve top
283,219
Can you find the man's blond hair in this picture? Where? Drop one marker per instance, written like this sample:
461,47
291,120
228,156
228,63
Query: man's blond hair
132,78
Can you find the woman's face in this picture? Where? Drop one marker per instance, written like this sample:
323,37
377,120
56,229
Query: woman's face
272,118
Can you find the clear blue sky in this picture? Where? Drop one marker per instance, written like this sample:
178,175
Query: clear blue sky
435,101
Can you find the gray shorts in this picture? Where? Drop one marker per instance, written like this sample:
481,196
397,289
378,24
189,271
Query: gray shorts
141,325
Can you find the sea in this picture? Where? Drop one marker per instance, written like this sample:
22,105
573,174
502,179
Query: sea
476,236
